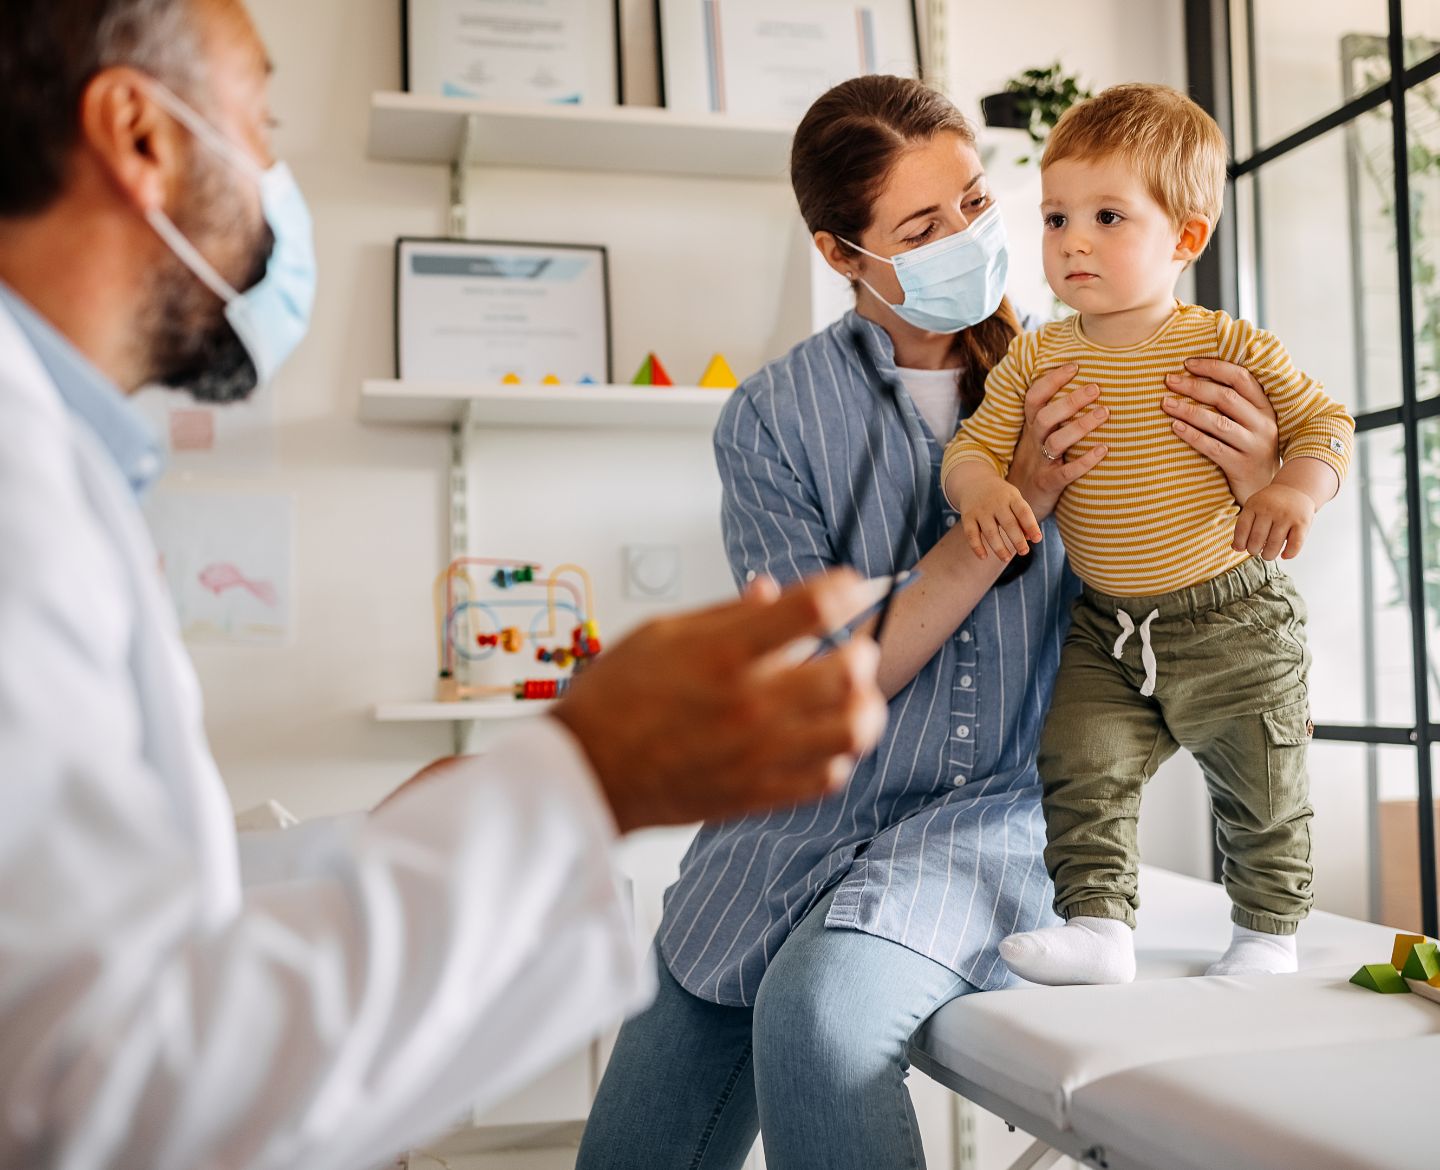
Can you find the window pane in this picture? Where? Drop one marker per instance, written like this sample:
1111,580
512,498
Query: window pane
1320,222
1310,56
1348,837
1397,845
1422,124
1430,547
1351,575
1422,30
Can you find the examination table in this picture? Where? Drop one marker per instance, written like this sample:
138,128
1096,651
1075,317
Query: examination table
1292,1072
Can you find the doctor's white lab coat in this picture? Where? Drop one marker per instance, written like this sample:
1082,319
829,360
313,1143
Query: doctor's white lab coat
157,1010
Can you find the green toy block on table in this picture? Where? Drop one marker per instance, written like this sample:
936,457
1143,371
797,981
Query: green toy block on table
1380,977
1422,963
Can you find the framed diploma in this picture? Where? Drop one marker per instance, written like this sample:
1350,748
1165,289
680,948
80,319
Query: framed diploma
769,59
516,51
488,311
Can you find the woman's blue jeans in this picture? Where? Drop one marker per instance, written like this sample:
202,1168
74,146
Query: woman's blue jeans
817,1066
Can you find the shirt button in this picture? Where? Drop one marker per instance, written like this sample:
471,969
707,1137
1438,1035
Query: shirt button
964,635
949,521
957,781
963,732
966,680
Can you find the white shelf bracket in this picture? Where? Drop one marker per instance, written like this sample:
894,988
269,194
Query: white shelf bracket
459,524
461,168
460,484
935,64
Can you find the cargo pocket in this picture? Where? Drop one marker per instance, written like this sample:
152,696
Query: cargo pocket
1287,737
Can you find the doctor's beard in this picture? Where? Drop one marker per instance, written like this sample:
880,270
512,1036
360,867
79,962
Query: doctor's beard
192,346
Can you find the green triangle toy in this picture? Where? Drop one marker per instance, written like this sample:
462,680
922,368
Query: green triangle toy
1380,977
1423,962
652,373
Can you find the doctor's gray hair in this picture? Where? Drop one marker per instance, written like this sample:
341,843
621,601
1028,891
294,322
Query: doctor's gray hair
49,52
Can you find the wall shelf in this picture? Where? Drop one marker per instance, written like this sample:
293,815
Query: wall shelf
432,712
408,127
631,407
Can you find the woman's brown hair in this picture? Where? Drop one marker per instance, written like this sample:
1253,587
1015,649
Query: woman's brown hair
844,150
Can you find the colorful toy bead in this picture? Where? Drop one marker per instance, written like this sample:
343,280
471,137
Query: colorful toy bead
487,639
511,640
505,578
585,640
541,688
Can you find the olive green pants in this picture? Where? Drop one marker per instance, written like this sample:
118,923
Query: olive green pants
1219,669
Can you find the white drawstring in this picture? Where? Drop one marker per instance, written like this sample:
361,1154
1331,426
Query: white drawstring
1147,652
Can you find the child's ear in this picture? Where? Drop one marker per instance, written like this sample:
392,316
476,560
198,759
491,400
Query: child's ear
1194,235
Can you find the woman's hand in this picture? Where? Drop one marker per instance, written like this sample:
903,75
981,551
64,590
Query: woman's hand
1238,434
1052,426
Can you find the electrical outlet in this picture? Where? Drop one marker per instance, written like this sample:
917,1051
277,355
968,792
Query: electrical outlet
651,572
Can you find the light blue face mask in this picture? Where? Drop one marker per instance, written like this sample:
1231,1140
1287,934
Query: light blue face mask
953,283
273,316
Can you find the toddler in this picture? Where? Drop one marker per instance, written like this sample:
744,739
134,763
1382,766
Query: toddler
1186,634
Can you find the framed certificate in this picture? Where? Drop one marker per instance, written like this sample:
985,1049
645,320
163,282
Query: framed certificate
516,51
769,59
485,310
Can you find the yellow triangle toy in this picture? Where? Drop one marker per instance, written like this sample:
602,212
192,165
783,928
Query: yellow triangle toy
718,375
510,380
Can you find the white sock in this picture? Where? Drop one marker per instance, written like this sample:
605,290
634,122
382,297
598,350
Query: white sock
1252,952
1084,950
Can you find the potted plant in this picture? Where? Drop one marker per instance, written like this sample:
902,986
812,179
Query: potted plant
1033,101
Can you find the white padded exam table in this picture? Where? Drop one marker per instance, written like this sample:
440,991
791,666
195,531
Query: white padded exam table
1286,1108
1031,1054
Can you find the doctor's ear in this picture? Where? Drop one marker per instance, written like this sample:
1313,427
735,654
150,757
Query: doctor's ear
135,144
1194,235
842,259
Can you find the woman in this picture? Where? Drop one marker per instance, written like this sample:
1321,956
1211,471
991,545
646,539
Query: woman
799,951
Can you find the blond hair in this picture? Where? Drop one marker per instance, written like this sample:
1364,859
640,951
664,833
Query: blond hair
1172,143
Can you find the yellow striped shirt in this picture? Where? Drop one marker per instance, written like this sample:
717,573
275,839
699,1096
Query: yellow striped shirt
1154,516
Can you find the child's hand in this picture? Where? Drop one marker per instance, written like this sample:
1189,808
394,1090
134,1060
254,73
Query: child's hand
1274,518
995,514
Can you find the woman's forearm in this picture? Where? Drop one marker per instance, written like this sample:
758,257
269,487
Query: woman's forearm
951,583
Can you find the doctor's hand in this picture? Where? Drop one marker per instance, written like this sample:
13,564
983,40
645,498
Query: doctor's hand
705,714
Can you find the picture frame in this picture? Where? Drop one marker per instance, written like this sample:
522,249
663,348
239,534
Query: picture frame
770,59
516,52
487,311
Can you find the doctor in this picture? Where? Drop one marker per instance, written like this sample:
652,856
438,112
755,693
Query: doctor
383,972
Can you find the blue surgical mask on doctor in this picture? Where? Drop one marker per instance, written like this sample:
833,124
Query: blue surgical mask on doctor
953,283
272,316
